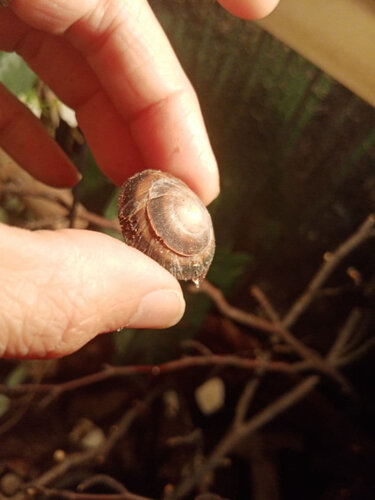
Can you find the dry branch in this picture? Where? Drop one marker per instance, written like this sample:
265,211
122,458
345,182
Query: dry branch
332,260
83,213
103,479
72,495
248,319
216,360
99,452
241,429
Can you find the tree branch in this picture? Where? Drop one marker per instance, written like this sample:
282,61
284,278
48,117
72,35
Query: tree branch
99,452
241,429
332,260
223,361
253,321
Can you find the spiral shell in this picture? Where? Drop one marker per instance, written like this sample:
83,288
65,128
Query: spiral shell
163,218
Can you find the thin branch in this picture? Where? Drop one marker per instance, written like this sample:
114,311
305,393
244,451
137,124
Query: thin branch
71,461
27,401
244,401
45,222
268,308
29,193
357,353
223,361
254,321
102,479
72,495
190,439
98,220
125,422
238,315
81,165
82,213
16,416
240,429
332,260
198,346
99,452
240,432
344,336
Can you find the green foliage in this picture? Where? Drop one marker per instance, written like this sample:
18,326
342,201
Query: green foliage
4,404
3,215
15,74
93,178
110,212
227,267
17,376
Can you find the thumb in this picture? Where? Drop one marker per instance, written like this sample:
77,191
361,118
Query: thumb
59,289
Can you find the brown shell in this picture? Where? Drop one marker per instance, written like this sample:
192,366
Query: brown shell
161,216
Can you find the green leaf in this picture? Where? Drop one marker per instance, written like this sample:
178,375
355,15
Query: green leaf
15,74
110,212
3,215
4,404
227,267
17,376
122,340
93,179
95,188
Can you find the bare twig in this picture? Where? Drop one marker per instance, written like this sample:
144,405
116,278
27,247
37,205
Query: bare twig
244,401
83,213
241,429
71,461
192,438
45,222
81,165
240,432
254,321
357,353
29,193
16,416
364,232
238,315
102,479
223,361
344,336
98,220
72,495
268,308
26,403
332,260
198,346
100,452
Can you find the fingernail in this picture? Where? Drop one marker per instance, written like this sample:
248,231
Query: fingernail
159,309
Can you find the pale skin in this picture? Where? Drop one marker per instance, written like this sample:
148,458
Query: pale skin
110,61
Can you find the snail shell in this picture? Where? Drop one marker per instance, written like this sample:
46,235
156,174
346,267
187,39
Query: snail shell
163,218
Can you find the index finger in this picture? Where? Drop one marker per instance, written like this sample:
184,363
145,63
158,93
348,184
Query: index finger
131,56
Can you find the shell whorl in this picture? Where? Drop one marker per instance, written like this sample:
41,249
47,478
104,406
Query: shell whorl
162,217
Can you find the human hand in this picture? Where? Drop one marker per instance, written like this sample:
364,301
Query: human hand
111,63
249,9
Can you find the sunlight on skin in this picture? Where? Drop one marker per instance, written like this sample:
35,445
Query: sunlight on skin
62,288
249,9
127,73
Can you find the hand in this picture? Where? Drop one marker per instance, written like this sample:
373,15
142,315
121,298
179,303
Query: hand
110,61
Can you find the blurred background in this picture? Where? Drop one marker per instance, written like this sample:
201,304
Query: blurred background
288,103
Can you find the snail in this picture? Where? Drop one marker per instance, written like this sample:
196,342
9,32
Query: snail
163,218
